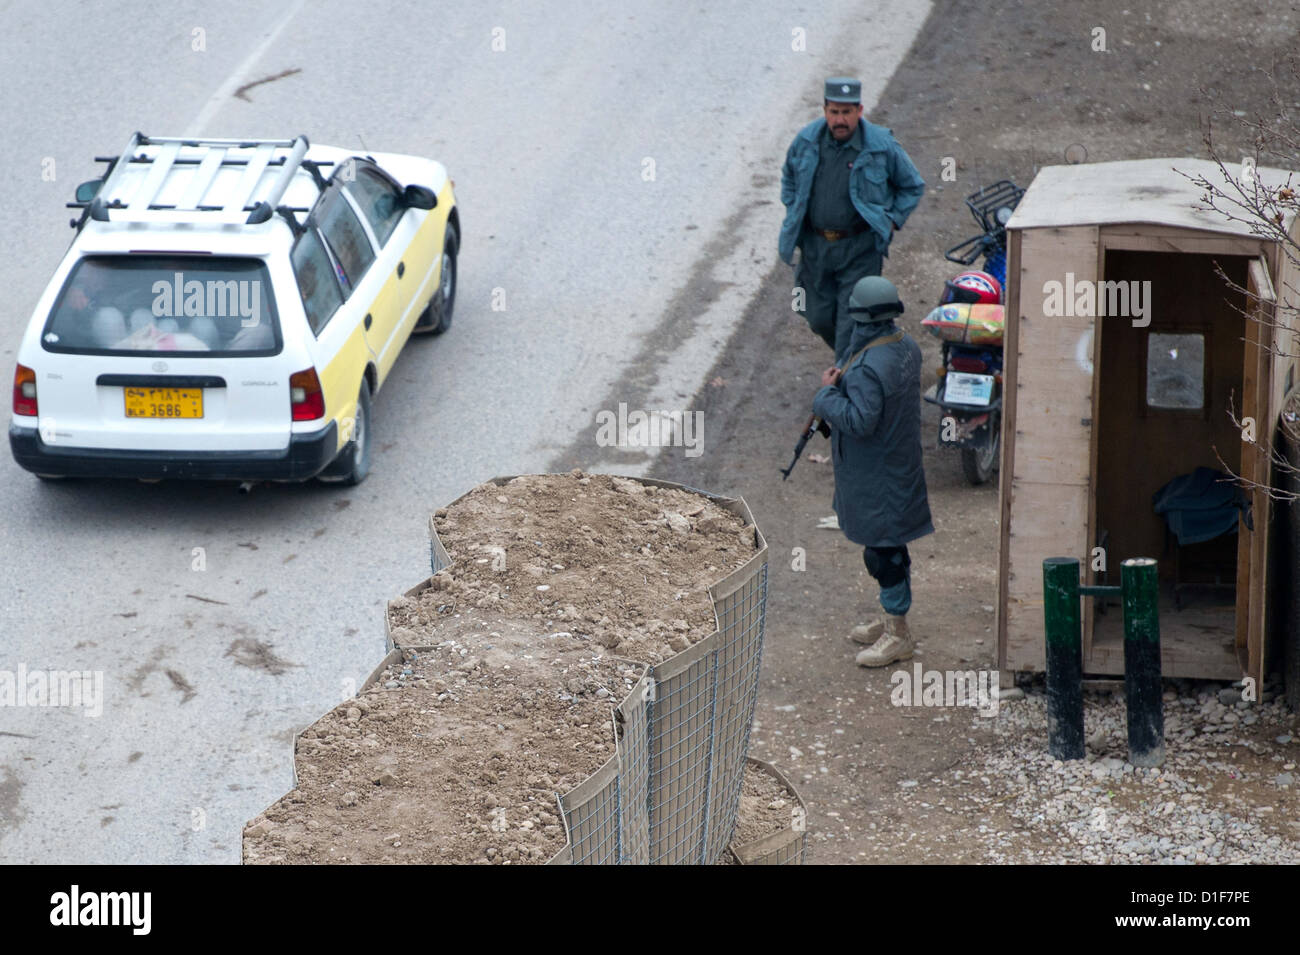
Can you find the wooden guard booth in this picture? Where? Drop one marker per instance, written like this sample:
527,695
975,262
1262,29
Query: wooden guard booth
1103,409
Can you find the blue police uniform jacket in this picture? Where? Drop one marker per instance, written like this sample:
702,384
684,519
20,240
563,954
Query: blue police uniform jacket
884,186
875,418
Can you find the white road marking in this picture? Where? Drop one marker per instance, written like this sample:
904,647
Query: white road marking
227,89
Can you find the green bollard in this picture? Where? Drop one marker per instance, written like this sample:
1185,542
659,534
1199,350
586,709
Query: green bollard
1142,688
1064,657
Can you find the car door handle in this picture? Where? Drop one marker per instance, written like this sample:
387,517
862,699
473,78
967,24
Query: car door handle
401,269
368,321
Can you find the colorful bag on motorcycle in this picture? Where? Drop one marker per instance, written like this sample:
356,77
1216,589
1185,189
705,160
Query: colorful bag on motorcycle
966,324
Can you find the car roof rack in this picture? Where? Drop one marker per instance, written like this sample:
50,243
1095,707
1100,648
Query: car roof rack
253,198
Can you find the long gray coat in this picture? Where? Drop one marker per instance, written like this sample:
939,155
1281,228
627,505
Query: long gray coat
875,418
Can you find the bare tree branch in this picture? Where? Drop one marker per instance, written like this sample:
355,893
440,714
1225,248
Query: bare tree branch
1268,210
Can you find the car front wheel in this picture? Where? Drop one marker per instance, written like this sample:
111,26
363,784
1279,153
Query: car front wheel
436,317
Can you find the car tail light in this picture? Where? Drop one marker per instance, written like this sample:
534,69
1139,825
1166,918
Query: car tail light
305,397
24,391
975,366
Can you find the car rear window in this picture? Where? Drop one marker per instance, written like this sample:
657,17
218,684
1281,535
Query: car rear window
142,304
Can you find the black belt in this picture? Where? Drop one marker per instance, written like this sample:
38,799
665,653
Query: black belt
834,235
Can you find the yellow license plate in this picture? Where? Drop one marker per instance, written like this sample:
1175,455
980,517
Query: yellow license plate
164,402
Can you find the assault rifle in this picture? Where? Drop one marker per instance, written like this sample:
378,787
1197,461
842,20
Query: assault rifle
816,424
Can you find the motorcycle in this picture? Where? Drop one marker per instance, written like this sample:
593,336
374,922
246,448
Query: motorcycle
969,322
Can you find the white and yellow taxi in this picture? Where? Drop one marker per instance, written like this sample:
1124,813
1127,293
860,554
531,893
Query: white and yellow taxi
229,308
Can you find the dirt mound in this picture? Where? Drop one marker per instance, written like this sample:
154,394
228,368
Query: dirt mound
765,807
611,560
561,588
453,755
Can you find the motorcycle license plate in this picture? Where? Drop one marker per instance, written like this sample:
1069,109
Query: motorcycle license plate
963,388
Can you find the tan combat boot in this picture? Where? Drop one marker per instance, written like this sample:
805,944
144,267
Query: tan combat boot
868,633
896,644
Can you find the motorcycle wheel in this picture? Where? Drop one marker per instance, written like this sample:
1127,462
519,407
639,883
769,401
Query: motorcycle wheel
978,464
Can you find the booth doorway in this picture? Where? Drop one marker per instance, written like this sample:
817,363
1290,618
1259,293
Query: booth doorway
1163,395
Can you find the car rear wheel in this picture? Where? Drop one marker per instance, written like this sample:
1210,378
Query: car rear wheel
436,317
353,462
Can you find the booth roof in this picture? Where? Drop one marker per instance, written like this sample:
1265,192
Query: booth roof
1146,191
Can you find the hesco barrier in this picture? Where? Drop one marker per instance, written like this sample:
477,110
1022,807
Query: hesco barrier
786,847
599,829
602,817
671,792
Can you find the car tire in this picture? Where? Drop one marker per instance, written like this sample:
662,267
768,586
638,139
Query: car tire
436,317
353,462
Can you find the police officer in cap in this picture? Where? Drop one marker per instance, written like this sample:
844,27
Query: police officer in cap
874,412
847,187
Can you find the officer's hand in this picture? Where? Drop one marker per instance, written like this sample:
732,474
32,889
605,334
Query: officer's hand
830,376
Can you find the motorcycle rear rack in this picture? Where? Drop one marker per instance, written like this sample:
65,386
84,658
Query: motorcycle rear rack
992,238
991,198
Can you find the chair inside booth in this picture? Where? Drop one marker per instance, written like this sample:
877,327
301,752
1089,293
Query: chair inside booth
1165,441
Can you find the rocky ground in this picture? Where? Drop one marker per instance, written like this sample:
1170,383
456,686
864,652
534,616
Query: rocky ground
1228,791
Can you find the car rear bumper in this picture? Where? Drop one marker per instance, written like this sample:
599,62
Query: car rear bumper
306,456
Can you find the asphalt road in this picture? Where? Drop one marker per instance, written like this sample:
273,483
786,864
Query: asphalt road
617,169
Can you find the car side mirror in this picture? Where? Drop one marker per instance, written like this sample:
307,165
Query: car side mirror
419,197
88,190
